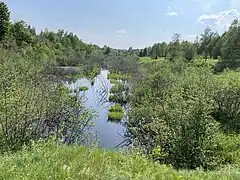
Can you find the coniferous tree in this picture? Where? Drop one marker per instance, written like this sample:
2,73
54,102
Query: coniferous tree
4,21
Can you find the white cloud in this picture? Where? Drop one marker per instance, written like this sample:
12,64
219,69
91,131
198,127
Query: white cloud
220,21
121,31
172,13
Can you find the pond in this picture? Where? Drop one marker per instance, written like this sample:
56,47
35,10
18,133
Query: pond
109,134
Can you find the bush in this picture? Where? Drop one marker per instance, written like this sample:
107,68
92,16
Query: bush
35,105
227,98
228,148
172,110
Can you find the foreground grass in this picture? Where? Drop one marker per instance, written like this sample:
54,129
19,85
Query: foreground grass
48,161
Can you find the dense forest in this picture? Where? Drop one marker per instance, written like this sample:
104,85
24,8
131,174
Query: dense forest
183,106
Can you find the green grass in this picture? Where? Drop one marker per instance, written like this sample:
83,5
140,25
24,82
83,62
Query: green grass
114,81
115,113
116,108
115,116
144,60
49,161
83,88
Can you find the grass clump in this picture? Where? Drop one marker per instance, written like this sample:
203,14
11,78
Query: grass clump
116,108
83,88
115,116
115,113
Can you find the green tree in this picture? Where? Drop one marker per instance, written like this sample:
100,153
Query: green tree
231,46
207,42
174,47
4,21
108,51
20,33
188,50
145,52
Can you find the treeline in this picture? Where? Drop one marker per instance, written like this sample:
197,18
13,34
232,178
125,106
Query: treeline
210,44
65,48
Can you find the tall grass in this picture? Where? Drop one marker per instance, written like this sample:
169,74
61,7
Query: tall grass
49,161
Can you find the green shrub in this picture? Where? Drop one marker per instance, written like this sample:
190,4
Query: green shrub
172,106
228,148
227,98
34,106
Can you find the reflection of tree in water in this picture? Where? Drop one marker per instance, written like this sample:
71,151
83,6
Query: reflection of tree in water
101,90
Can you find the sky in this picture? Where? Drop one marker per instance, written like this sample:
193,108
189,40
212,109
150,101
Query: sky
127,23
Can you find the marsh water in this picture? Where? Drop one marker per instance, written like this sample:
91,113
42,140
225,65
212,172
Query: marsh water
109,134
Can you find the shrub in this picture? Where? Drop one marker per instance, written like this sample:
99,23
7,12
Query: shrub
228,148
227,98
34,105
172,110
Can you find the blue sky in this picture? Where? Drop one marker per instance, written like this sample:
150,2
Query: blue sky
125,23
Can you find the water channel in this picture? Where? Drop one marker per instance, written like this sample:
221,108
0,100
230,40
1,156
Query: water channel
109,134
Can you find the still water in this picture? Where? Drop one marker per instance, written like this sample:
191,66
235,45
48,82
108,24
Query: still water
109,134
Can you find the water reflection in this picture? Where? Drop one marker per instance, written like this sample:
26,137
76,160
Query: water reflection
108,133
